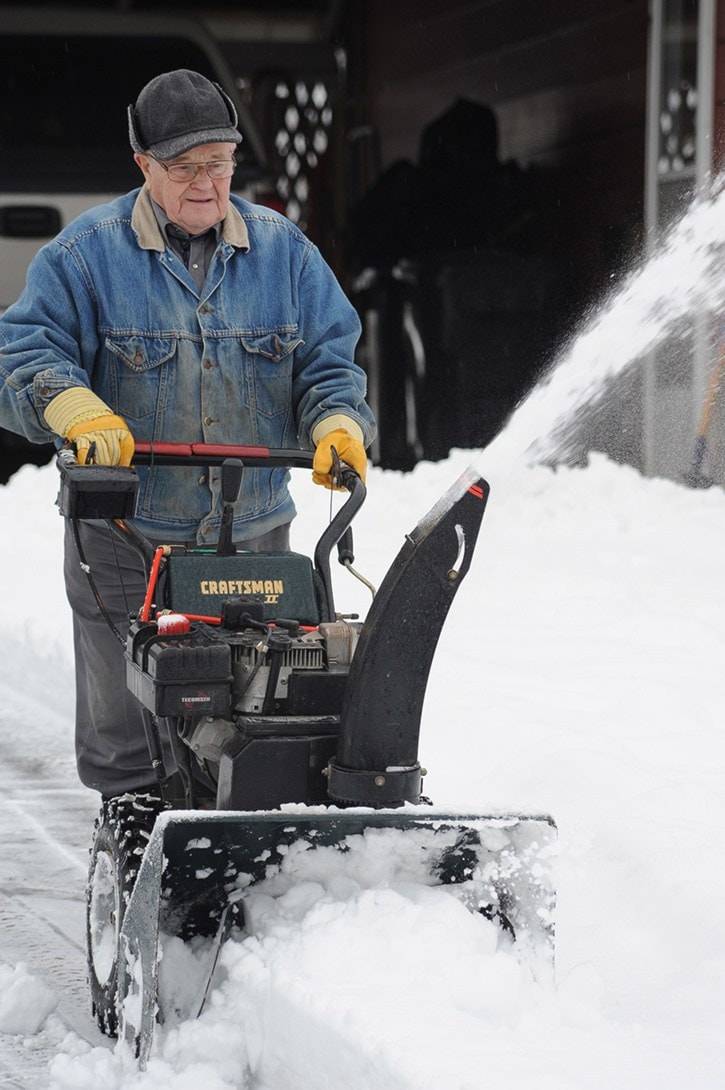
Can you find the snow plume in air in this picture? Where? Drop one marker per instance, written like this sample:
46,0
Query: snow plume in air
683,280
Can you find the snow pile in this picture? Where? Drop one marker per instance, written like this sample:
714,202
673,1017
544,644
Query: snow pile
25,1001
319,986
579,673
35,623
341,986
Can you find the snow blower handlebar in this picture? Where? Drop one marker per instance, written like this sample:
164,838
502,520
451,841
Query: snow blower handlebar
337,533
215,454
109,492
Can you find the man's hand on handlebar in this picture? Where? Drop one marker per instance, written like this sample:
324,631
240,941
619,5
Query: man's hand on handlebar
81,418
338,443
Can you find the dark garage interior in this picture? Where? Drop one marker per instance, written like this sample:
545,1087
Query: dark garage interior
473,171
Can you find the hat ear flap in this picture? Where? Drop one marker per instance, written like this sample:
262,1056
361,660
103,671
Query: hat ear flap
229,105
133,132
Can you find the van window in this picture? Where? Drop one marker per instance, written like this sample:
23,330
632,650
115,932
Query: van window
63,104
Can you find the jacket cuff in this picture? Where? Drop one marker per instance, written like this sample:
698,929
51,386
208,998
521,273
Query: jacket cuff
332,423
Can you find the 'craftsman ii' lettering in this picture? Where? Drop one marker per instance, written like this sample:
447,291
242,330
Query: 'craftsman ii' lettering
242,586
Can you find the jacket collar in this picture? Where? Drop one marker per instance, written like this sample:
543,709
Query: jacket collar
150,236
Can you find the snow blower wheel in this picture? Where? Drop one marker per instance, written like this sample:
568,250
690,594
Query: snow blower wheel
121,834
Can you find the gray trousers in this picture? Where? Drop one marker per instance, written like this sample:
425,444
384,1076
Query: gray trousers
111,749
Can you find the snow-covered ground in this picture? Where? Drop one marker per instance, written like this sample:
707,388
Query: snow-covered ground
580,672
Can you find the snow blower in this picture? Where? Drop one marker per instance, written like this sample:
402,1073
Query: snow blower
295,730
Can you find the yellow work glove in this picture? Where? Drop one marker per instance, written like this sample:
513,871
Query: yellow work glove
349,450
79,415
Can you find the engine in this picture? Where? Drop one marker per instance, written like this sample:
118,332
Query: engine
242,696
292,671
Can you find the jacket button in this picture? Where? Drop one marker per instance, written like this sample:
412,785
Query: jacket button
208,420
208,364
44,391
202,479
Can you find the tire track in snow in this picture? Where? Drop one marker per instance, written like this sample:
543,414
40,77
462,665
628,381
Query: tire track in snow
46,818
42,887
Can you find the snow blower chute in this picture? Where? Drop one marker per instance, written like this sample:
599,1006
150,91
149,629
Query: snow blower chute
294,729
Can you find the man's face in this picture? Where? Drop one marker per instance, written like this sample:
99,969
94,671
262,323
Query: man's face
197,205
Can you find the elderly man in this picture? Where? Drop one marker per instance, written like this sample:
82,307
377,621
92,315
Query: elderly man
176,313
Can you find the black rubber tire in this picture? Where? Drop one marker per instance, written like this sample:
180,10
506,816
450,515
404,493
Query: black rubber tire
122,831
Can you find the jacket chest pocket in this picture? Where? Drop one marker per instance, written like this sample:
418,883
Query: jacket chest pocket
268,360
141,376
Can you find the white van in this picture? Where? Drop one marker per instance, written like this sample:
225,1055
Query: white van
66,80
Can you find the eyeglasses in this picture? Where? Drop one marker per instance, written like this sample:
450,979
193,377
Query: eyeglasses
186,172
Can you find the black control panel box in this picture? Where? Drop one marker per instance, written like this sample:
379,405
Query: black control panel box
97,492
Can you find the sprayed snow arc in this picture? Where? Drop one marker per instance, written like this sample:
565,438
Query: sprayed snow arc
682,282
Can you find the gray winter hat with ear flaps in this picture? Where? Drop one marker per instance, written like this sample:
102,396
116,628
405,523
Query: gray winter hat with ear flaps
178,111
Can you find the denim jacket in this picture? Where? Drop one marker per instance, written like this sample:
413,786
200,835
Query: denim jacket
260,356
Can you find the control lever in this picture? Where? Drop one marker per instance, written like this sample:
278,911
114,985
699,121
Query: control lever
232,470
